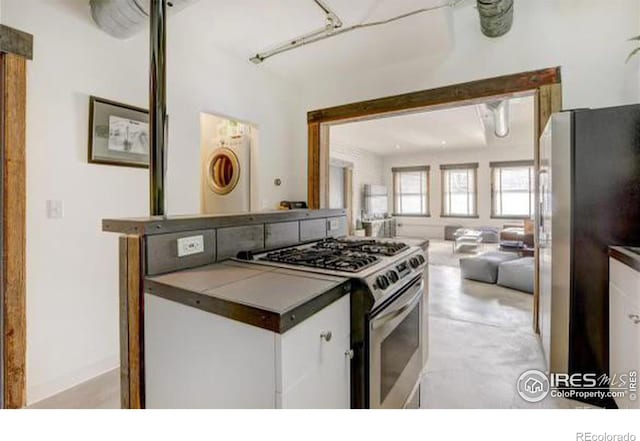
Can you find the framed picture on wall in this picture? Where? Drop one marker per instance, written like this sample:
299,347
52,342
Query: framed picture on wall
118,134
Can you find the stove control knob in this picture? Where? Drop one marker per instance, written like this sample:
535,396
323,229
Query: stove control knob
414,262
393,276
421,259
382,282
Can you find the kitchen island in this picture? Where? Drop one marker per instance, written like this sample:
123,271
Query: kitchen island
155,251
270,310
241,335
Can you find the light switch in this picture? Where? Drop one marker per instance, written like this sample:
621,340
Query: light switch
333,225
188,246
55,209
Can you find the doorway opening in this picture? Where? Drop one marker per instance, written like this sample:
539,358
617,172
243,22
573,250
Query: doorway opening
229,152
440,187
544,85
341,194
458,166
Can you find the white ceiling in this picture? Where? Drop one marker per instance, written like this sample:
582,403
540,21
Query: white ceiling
465,127
246,27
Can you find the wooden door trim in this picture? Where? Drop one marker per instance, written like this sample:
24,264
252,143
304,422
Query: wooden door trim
473,90
544,84
131,323
16,47
13,286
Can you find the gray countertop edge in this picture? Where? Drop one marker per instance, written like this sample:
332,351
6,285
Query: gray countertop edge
172,224
251,315
625,256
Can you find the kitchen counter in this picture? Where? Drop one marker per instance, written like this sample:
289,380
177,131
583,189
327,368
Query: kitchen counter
268,297
173,224
630,256
413,242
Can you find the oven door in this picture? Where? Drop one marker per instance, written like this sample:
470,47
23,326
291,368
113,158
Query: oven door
395,343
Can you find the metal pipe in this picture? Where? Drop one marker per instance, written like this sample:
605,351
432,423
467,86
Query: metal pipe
157,106
500,110
328,32
125,18
332,17
496,17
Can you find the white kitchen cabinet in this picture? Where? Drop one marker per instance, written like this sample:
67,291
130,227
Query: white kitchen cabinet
195,359
314,360
624,325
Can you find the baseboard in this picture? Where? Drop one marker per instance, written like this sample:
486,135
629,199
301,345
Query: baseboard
42,391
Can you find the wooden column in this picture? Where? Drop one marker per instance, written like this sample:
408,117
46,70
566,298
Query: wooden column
13,74
131,324
313,172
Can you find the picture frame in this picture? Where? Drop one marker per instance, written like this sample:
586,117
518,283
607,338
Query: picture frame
118,134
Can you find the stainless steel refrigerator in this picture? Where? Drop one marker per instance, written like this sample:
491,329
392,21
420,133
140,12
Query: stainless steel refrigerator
589,185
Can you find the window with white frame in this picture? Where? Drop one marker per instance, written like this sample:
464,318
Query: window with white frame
459,190
411,191
512,189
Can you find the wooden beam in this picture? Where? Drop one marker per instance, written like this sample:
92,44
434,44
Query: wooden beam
13,134
503,85
131,323
13,41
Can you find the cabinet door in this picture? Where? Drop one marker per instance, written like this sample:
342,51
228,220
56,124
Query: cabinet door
315,370
624,339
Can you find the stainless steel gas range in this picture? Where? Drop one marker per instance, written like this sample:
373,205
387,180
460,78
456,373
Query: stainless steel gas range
388,312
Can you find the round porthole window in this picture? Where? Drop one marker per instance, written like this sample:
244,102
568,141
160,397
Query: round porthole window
224,171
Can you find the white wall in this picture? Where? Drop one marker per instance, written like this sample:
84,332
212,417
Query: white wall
368,168
433,226
72,272
587,38
336,187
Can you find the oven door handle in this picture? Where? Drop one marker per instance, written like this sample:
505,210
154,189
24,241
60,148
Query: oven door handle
378,322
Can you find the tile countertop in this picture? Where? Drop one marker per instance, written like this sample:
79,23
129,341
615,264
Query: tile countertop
268,297
630,256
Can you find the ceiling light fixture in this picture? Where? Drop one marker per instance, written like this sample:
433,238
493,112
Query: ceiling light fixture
398,146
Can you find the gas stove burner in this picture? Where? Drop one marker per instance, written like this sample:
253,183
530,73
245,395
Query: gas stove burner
368,246
332,259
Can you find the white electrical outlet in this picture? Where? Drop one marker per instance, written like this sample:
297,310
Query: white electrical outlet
333,225
55,209
188,246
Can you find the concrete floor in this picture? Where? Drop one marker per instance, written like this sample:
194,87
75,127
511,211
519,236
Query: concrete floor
101,392
480,341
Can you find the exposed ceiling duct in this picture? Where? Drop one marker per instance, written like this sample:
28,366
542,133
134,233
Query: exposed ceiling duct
500,110
334,26
125,18
496,16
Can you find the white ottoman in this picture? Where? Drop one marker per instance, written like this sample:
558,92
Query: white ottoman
517,274
484,267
